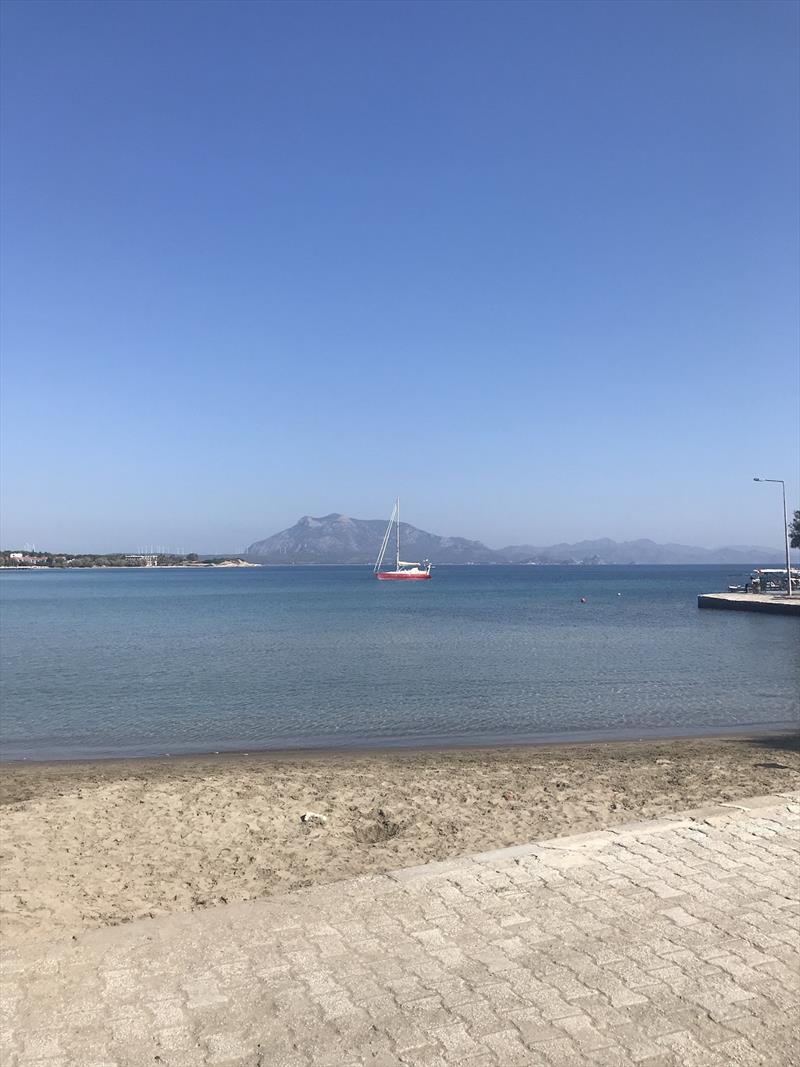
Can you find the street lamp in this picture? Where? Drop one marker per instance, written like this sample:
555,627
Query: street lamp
782,484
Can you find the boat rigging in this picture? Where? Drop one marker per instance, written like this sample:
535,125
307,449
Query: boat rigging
403,571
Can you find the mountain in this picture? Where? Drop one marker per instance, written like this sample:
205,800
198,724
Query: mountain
642,551
337,538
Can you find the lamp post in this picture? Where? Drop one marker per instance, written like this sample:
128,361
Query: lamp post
782,484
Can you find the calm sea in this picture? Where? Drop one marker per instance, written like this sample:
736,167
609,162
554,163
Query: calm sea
140,662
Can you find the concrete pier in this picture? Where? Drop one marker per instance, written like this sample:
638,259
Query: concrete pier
776,603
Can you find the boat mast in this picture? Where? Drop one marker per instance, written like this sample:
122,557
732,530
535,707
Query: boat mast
397,510
384,543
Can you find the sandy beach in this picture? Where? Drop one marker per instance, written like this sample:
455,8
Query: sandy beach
97,843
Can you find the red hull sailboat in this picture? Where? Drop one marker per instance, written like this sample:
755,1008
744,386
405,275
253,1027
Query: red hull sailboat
403,572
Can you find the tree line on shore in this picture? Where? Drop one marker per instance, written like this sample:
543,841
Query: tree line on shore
20,558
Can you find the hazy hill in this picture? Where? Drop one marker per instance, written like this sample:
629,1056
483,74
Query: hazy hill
339,539
642,551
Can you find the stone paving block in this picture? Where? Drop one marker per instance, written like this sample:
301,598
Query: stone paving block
506,856
618,994
789,977
706,1030
284,1058
612,1056
742,1054
689,1052
426,1056
25,1060
637,1044
404,1036
333,1006
167,1012
428,870
775,993
428,1012
509,1049
534,1029
596,839
563,859
602,1013
667,945
759,804
585,1035
204,994
42,1045
226,1048
172,1039
455,1038
356,1030
561,1053
679,916
643,827
711,814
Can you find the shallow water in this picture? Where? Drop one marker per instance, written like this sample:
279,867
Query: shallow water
143,662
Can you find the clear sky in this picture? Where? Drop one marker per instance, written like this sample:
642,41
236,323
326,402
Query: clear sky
532,266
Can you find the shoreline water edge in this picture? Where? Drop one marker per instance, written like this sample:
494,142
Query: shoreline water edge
411,748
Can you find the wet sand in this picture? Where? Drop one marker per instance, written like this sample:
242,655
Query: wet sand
95,843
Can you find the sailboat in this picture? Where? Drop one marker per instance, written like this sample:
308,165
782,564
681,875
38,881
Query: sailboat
403,572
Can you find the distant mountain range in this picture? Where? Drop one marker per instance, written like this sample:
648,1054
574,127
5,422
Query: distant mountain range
339,539
644,550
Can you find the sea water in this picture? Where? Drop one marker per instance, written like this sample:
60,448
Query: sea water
143,662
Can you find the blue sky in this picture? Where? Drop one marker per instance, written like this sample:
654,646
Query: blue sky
532,266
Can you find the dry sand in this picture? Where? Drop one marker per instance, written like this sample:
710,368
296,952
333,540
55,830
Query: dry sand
89,844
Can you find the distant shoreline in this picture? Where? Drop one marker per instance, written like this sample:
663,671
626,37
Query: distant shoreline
142,567
247,564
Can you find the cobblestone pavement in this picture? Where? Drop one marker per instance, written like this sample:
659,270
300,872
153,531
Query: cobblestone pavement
673,942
